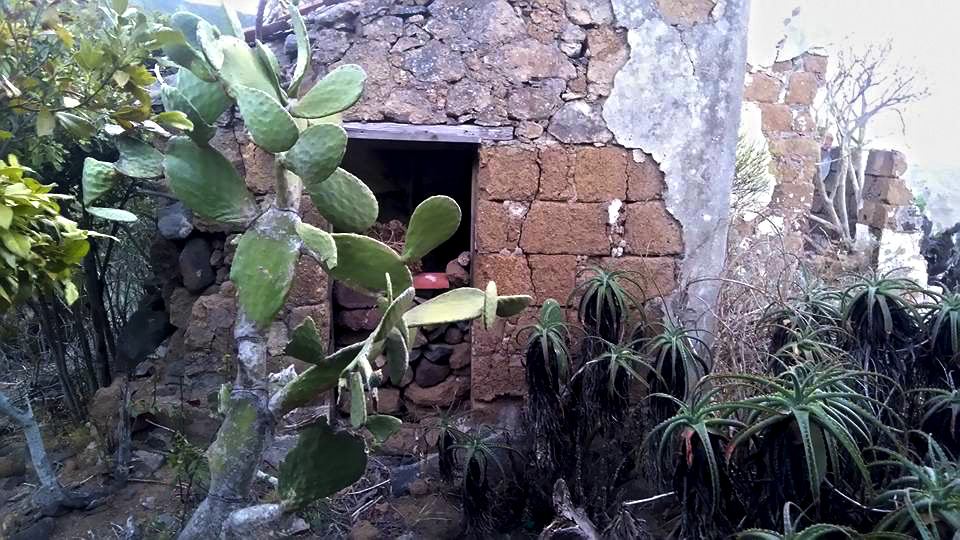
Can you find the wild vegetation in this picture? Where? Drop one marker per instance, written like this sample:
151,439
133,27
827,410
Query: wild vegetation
821,442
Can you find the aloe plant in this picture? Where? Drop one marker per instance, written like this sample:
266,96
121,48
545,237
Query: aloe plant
792,532
217,69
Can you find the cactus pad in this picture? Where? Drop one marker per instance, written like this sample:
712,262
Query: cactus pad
363,261
138,159
269,123
336,92
317,154
463,304
272,66
345,201
98,178
382,427
319,243
510,306
303,50
358,400
241,66
264,265
173,100
433,223
490,305
208,98
323,375
323,462
398,357
207,182
306,344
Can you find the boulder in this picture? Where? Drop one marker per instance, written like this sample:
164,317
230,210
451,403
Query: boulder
429,374
195,269
175,221
451,390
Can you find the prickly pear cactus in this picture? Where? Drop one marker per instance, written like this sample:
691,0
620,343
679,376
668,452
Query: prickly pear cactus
219,69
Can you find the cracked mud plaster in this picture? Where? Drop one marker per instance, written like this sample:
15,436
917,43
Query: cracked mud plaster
678,98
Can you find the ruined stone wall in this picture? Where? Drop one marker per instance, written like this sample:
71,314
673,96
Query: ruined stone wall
784,93
575,186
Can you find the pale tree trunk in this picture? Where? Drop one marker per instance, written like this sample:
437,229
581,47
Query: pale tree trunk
248,425
51,492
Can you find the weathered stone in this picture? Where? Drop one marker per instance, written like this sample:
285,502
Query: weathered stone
656,276
457,275
498,225
180,306
579,122
815,63
554,276
225,142
151,461
351,299
434,62
508,173
195,269
430,374
560,228
456,22
887,190
387,28
775,118
608,52
536,101
886,163
328,46
686,12
496,376
762,88
374,58
388,400
556,174
528,59
806,148
510,272
319,313
212,317
802,88
460,358
453,336
796,195
364,530
411,106
589,12
599,174
174,221
528,130
276,338
651,230
164,260
875,214
468,96
258,164
309,284
644,177
359,319
444,394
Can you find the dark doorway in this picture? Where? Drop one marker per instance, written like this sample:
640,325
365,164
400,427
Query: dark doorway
404,173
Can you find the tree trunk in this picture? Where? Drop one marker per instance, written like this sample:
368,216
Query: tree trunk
98,313
51,492
59,358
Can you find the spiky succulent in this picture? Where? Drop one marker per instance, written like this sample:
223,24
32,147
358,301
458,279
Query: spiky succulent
791,531
605,302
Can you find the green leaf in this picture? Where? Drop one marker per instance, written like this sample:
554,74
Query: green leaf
119,6
337,91
323,462
306,343
70,293
358,400
207,183
76,126
433,222
264,265
463,304
345,201
6,216
138,159
269,123
112,214
303,50
382,426
362,263
398,357
321,244
174,119
45,123
207,98
98,178
173,100
316,154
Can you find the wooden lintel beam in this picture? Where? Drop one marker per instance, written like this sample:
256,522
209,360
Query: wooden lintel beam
427,133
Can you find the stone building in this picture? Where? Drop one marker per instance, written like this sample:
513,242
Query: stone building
572,133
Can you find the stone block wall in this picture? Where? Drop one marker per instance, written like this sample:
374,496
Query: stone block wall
785,93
